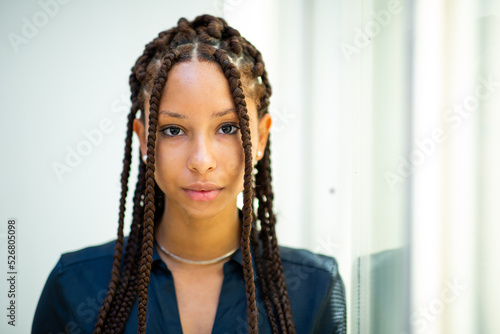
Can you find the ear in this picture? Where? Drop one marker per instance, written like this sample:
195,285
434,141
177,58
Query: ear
140,132
264,126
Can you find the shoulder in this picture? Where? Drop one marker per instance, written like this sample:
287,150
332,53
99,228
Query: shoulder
89,267
74,291
309,260
88,255
318,272
87,270
315,289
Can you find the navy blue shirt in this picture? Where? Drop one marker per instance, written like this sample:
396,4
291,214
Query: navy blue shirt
74,291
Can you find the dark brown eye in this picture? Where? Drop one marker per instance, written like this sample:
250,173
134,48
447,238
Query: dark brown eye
173,131
228,129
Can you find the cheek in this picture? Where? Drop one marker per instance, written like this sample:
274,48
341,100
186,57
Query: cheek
168,163
233,161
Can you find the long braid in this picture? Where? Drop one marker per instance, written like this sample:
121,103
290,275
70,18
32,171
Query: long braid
125,295
149,200
109,299
263,282
269,274
232,74
266,216
267,219
268,287
275,269
264,197
117,256
130,293
242,65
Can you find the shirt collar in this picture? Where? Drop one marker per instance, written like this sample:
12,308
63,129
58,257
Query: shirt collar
237,257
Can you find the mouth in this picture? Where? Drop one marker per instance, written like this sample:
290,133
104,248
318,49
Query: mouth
202,192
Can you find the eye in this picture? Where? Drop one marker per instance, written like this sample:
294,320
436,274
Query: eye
228,129
173,131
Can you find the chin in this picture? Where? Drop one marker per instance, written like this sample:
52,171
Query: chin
203,209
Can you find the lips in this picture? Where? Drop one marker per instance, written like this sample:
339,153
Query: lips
202,192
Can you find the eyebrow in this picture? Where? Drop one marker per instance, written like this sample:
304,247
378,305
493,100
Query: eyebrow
172,114
177,115
223,113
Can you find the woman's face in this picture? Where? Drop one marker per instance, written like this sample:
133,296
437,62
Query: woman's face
199,155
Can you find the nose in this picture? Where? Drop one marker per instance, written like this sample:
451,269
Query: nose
201,156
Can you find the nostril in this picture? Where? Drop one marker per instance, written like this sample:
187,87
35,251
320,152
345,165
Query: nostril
201,163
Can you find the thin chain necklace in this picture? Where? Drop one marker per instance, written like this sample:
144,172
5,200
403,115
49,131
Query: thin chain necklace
183,260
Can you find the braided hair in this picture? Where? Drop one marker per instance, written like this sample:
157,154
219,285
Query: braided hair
211,39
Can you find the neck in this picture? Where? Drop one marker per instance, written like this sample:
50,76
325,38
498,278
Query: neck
199,239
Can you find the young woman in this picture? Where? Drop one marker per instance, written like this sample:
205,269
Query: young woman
194,262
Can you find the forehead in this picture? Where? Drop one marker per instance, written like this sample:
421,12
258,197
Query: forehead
196,88
197,79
